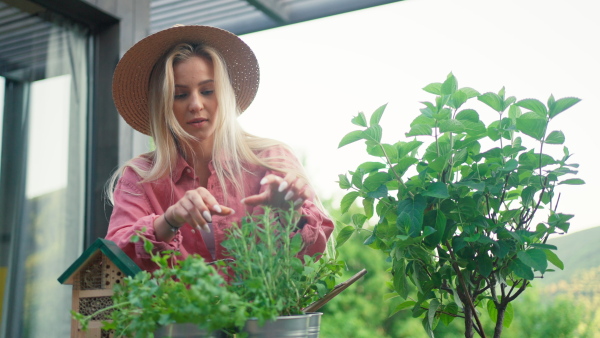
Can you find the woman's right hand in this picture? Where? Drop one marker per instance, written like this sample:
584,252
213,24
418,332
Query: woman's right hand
195,208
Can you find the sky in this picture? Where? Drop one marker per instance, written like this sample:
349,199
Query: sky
317,75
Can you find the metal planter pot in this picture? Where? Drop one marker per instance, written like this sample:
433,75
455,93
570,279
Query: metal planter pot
186,331
314,324
284,326
300,326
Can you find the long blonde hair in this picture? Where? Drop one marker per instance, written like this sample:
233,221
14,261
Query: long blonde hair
233,148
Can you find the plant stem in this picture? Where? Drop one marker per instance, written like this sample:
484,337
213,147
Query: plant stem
466,293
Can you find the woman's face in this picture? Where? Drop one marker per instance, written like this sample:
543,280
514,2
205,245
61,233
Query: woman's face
195,103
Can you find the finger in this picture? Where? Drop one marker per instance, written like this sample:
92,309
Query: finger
225,211
209,199
273,182
296,188
199,204
192,215
258,199
288,182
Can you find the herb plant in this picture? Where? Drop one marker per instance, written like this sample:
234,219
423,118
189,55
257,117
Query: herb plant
269,274
188,291
457,215
268,280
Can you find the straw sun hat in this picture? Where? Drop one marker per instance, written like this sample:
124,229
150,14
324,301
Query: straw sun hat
131,77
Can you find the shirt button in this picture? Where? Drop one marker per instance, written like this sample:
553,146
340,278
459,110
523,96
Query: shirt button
188,170
193,231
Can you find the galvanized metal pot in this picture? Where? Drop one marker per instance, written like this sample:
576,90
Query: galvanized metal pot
284,326
186,331
300,326
314,324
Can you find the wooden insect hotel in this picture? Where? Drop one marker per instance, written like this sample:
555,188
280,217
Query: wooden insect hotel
93,276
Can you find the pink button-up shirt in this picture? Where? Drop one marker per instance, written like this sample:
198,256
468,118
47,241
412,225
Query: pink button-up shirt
137,205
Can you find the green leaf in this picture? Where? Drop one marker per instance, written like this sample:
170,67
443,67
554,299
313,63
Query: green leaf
514,112
535,258
543,246
444,114
555,137
479,186
347,201
403,306
457,99
440,163
344,182
424,120
437,190
474,129
527,196
468,115
373,133
426,112
435,220
450,85
521,270
359,220
492,311
344,235
360,120
380,192
370,240
484,265
492,100
553,258
403,164
453,126
510,165
382,150
533,125
368,167
419,129
509,314
376,117
413,209
573,181
426,326
400,280
562,105
148,246
535,106
368,206
470,92
434,304
434,88
405,148
374,181
351,137
451,308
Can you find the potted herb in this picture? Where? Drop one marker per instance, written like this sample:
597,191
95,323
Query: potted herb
459,203
187,292
270,286
270,276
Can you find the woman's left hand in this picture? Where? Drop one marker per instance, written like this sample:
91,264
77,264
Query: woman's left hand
281,192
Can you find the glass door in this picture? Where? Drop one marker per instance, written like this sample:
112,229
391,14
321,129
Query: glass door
43,64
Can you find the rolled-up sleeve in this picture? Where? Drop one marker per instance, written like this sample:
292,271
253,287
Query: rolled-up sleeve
133,214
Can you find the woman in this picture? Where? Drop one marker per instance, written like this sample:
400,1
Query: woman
185,87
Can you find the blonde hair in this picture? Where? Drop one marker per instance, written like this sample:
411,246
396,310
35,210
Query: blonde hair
233,148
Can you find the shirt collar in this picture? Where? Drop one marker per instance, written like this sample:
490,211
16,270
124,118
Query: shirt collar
182,168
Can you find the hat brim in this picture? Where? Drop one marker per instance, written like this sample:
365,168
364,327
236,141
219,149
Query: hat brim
132,74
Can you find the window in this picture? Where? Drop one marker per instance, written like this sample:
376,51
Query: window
44,101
